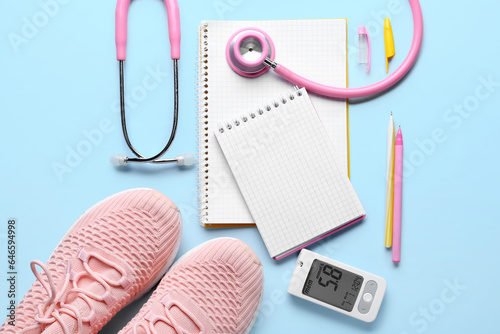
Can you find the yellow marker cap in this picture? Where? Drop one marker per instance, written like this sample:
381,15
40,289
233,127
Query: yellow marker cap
390,51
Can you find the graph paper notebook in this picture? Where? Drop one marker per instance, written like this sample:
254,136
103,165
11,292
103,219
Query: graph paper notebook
223,94
289,173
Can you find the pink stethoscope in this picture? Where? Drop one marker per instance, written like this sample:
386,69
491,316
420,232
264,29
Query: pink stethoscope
250,53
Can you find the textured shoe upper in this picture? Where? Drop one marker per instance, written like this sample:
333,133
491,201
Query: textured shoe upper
110,255
214,289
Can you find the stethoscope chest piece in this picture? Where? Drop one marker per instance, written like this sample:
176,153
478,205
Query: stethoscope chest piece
246,51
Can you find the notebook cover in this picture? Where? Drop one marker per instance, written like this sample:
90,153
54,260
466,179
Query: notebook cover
220,217
289,173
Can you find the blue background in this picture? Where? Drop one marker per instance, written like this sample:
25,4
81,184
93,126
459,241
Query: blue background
64,80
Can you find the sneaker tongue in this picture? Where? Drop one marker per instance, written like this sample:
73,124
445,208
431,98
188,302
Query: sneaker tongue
179,317
83,308
89,284
71,322
184,321
56,327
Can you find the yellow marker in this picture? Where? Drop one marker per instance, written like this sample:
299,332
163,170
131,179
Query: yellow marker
390,51
389,204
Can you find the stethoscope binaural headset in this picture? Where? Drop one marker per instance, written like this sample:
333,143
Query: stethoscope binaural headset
174,28
250,53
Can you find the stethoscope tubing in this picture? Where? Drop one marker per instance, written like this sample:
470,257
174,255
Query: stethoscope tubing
372,89
139,157
257,67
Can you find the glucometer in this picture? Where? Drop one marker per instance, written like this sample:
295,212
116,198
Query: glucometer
337,286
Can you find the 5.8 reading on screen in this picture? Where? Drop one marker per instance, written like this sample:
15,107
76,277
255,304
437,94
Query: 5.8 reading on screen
335,286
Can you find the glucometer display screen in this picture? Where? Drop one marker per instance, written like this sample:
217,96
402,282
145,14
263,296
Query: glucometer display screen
332,285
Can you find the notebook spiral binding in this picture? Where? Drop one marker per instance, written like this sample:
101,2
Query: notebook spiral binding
202,68
275,104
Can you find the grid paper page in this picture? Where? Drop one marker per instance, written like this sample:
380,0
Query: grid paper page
289,173
313,48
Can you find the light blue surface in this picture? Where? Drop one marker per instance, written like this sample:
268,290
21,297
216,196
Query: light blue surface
64,80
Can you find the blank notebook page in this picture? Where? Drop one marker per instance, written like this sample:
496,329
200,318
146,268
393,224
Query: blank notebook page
315,49
291,178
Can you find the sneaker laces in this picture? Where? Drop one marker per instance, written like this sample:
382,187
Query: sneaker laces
168,319
55,306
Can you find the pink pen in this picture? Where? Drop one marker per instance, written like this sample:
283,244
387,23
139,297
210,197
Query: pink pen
398,196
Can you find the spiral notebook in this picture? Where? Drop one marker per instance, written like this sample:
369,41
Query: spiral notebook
313,48
289,173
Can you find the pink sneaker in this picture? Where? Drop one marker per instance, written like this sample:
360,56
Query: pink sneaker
114,253
215,288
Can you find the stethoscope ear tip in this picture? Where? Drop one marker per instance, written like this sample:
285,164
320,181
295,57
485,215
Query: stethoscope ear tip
118,160
187,159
